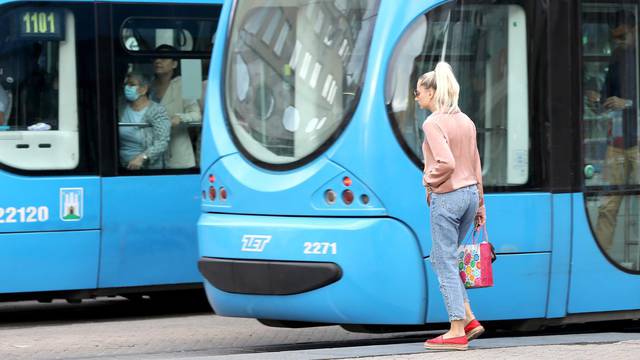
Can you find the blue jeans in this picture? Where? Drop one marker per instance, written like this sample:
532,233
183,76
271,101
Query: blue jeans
452,214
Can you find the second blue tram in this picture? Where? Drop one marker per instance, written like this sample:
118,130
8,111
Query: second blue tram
75,221
313,208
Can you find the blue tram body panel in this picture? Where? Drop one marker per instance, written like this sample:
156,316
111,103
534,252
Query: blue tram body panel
49,261
596,284
46,246
379,257
519,291
146,239
25,199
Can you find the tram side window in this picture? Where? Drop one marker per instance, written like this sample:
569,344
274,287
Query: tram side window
162,92
610,123
38,89
487,47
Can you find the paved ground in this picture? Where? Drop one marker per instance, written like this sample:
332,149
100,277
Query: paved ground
122,330
116,328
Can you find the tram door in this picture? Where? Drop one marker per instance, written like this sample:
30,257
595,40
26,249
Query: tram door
50,190
605,273
151,200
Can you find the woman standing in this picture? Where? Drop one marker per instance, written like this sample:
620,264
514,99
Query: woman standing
453,178
142,147
167,90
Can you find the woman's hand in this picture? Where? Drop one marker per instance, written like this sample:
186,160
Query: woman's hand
175,120
136,163
481,219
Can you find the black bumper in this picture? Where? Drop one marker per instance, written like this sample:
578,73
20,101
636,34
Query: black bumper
259,277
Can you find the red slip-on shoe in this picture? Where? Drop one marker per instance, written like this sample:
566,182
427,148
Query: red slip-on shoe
473,330
440,343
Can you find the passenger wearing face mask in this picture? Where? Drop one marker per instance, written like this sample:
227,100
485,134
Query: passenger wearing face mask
144,127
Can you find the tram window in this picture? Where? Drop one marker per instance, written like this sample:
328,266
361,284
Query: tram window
293,73
487,47
610,125
39,127
171,53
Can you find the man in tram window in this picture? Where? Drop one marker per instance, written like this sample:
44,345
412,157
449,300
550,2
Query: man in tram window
617,99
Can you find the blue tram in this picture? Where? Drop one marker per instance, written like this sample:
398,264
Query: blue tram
75,220
313,209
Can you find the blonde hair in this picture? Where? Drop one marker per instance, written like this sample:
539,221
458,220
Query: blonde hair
447,89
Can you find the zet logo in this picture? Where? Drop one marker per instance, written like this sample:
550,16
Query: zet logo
71,204
255,243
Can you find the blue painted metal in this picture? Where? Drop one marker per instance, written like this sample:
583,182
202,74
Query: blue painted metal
596,284
49,261
381,264
24,192
519,291
52,254
560,255
149,233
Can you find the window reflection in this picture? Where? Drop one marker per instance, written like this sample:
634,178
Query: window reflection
610,63
294,69
486,46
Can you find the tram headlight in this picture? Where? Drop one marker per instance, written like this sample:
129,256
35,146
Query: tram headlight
212,193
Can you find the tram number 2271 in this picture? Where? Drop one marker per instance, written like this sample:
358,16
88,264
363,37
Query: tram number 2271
320,248
29,214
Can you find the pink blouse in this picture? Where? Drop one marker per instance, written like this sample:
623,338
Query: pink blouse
451,154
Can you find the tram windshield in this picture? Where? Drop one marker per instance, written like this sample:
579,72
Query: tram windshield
294,70
38,89
29,67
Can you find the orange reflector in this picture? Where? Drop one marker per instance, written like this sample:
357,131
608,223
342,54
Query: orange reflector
346,181
347,197
212,193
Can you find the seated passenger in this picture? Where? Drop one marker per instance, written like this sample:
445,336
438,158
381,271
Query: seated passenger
4,105
167,90
143,146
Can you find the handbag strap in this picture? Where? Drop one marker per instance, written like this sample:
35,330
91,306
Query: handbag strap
478,236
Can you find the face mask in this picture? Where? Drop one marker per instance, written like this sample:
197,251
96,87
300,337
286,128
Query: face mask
131,93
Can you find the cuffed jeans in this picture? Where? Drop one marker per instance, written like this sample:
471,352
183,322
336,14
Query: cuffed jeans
452,214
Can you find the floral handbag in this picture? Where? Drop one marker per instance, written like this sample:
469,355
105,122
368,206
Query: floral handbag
474,261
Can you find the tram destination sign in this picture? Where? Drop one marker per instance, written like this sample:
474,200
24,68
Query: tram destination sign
41,24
